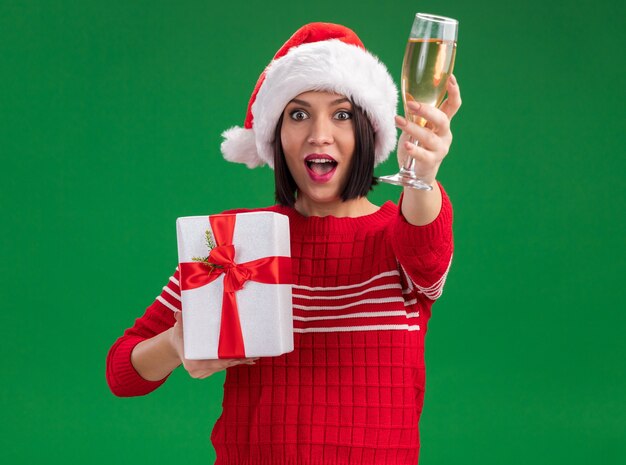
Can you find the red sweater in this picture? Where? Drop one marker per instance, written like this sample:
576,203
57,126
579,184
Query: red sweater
352,390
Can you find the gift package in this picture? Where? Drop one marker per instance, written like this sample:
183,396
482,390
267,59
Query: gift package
235,281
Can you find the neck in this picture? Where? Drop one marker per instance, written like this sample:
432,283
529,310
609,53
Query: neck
360,206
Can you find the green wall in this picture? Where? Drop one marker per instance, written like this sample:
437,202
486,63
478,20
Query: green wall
110,122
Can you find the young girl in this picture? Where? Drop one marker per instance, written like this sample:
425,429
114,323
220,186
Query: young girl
365,277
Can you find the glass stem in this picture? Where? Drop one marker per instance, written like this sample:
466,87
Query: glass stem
409,163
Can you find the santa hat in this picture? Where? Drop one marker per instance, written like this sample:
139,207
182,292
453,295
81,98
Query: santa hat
318,57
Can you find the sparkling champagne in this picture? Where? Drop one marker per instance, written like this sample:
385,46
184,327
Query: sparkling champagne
425,70
427,65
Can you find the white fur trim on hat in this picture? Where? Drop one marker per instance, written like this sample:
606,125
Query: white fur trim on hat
239,146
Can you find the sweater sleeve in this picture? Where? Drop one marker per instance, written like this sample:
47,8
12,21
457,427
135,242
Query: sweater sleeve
425,252
123,379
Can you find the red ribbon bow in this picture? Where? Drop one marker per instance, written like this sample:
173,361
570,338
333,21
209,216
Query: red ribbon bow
268,270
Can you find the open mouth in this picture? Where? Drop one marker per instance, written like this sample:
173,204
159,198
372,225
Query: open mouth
320,166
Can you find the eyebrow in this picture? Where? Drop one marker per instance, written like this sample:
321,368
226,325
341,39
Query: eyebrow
306,104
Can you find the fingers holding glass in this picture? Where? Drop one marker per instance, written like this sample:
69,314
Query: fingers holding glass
429,117
453,102
422,136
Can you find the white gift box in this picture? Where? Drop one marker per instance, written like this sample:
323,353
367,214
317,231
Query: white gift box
264,310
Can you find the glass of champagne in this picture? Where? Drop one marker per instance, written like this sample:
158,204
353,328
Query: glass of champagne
427,65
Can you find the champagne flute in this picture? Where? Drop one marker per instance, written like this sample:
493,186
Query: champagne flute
428,63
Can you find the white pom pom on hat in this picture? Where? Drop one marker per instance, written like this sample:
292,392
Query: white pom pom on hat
323,57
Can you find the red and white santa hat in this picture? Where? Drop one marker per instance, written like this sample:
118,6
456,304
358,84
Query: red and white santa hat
318,57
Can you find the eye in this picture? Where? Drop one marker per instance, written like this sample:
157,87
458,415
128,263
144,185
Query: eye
343,115
298,115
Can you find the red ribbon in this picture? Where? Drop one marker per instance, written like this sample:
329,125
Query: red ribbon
268,270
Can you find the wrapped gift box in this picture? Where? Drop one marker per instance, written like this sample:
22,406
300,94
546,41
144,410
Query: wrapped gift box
235,280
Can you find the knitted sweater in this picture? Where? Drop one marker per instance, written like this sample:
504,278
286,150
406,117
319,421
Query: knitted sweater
352,390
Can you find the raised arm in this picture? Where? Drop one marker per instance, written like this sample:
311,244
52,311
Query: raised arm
422,207
422,236
425,252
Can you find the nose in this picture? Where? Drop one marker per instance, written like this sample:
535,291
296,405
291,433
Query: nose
321,132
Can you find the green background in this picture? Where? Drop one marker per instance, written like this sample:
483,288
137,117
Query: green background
110,122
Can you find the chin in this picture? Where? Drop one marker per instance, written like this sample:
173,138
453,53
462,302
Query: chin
321,196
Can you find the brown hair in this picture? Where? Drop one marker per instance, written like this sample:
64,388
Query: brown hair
361,179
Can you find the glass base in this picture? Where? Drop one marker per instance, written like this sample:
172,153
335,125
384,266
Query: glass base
406,178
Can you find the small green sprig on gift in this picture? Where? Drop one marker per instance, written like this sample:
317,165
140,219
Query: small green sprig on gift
211,245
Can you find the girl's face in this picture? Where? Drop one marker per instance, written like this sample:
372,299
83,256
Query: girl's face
317,137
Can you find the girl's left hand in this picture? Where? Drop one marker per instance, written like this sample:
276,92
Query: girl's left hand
434,139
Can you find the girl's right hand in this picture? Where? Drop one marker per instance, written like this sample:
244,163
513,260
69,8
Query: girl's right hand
201,369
